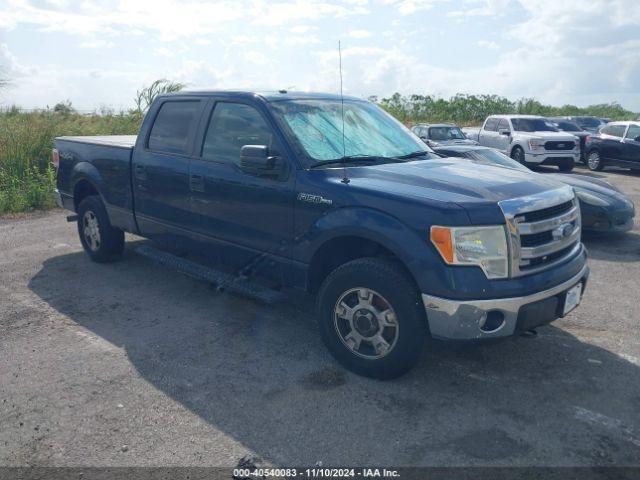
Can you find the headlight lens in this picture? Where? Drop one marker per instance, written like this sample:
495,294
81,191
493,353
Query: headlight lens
485,247
535,144
592,199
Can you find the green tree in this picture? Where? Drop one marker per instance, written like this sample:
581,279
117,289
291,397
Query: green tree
146,96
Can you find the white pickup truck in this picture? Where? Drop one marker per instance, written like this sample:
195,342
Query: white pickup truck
528,139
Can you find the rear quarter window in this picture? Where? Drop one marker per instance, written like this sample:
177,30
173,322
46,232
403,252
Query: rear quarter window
173,125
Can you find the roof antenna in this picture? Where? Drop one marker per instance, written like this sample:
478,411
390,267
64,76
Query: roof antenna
345,179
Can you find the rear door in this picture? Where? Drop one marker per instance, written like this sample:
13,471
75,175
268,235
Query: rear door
488,133
632,145
249,219
611,145
502,141
161,168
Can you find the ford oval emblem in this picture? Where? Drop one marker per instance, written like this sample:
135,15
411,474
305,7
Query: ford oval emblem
563,231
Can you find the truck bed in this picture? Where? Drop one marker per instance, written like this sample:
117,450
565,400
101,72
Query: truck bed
123,141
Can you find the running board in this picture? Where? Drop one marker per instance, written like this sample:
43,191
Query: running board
221,280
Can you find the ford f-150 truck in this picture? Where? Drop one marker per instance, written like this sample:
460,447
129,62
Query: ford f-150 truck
528,139
335,197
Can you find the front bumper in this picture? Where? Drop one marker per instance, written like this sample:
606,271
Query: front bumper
500,317
552,158
63,200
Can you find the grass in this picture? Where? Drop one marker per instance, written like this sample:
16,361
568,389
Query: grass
27,179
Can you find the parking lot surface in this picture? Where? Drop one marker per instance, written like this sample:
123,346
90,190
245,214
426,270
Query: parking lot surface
132,364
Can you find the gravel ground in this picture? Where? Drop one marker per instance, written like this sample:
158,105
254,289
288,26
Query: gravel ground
132,364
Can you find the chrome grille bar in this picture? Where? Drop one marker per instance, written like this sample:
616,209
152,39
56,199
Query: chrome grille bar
564,230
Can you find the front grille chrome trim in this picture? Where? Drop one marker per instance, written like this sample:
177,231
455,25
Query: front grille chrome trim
514,209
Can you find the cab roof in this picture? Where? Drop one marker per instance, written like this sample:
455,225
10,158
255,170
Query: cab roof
267,95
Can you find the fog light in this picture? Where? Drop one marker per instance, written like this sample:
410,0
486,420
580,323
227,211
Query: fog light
494,320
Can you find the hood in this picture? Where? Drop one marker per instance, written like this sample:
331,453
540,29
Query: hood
450,180
442,143
549,135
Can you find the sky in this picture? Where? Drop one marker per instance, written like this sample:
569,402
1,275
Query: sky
98,53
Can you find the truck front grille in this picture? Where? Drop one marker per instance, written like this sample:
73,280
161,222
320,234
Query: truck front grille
559,145
544,230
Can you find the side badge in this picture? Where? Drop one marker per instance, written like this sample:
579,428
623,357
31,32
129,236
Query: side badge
316,199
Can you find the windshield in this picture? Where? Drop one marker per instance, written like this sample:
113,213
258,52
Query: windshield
489,156
588,122
532,125
568,126
446,133
368,130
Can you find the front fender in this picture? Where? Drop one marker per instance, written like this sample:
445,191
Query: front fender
411,247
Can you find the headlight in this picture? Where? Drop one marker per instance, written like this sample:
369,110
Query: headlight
535,144
485,247
592,199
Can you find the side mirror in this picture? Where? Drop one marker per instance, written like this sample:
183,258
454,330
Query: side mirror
504,131
424,138
255,160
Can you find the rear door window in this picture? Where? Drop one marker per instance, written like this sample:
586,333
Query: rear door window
491,125
173,125
614,130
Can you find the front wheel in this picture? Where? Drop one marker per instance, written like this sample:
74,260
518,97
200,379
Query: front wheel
518,155
594,161
371,318
100,240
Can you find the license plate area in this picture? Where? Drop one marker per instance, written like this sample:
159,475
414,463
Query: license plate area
572,298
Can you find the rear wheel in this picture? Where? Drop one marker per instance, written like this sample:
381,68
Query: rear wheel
371,318
100,240
594,161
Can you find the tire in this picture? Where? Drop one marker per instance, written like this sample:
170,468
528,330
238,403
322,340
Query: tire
101,241
594,161
566,166
518,155
370,286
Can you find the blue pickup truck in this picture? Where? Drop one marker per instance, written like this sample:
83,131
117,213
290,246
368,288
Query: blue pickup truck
333,196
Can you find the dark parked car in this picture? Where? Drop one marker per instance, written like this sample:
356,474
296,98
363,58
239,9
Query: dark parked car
572,127
441,134
586,122
616,144
604,207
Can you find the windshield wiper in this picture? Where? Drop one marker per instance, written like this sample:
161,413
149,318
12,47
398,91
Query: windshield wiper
419,153
356,159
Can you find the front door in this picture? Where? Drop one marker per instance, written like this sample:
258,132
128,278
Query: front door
247,220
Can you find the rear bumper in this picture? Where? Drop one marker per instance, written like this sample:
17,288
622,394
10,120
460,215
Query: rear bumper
552,158
472,319
63,200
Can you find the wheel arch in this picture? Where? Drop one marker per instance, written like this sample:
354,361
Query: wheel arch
342,249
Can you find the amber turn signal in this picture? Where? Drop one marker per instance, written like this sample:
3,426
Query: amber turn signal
441,238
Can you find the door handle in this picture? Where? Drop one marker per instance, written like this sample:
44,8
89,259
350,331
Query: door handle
141,172
196,182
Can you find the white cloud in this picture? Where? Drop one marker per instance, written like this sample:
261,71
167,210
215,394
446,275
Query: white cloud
491,45
407,7
97,44
359,34
487,8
